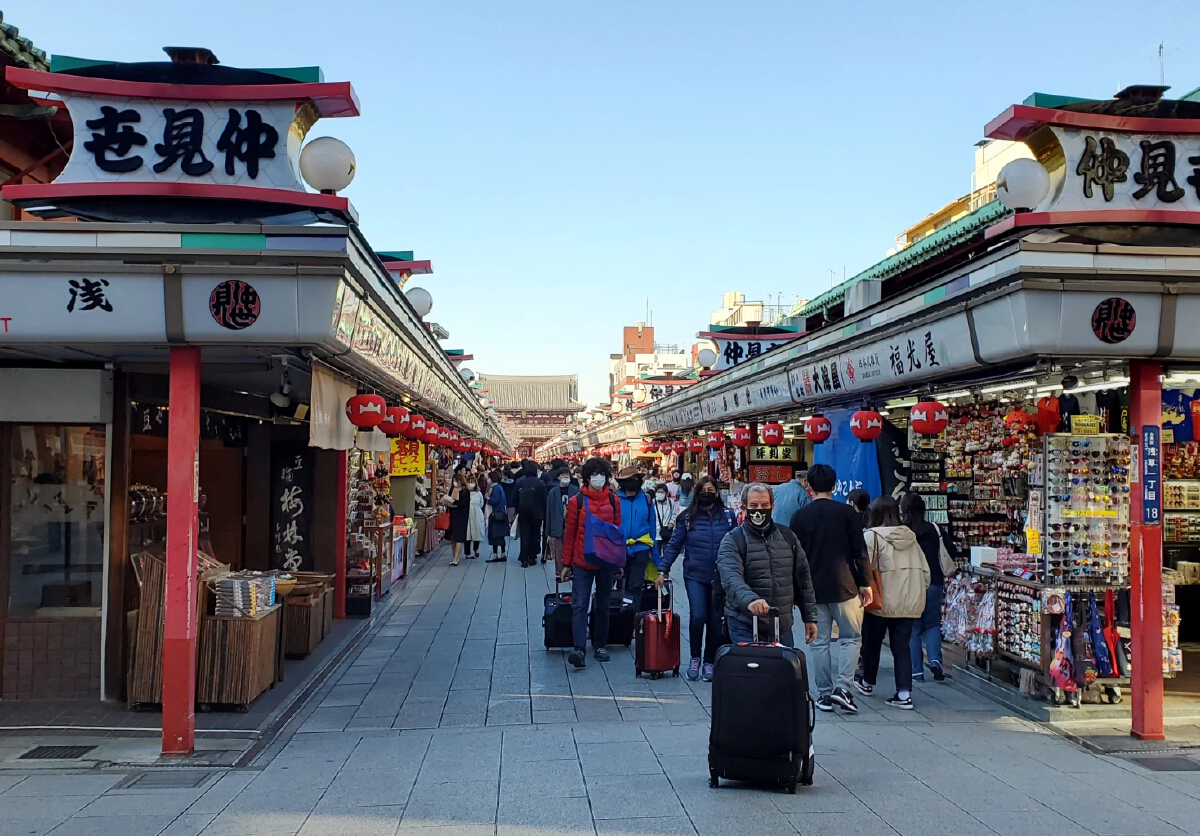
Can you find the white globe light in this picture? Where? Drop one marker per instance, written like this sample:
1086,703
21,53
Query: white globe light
1022,184
707,357
467,374
327,164
420,299
618,407
640,395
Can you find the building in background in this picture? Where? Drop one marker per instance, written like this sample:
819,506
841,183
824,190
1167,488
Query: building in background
533,408
645,370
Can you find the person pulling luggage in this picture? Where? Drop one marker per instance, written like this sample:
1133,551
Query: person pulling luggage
641,530
762,566
593,550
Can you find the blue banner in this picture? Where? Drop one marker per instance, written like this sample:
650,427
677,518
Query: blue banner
1151,469
856,462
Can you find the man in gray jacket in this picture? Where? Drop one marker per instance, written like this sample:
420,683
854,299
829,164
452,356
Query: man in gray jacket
762,566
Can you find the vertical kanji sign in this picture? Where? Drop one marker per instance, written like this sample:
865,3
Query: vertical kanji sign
1151,479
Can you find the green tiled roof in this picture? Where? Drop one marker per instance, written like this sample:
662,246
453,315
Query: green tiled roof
944,239
21,51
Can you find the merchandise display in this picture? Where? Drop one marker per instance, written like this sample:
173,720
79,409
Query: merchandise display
369,550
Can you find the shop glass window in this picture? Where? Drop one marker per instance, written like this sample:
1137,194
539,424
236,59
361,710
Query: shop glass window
56,553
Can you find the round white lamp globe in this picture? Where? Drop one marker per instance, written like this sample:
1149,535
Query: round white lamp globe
640,395
420,299
1022,184
618,407
327,164
707,357
467,374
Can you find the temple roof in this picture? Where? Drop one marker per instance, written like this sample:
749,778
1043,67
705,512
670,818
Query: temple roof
556,393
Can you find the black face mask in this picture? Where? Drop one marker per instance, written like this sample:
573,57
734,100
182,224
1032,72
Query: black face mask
707,500
629,485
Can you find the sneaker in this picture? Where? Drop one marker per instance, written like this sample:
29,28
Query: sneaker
602,654
693,670
939,675
708,671
496,560
576,658
824,703
895,701
919,677
842,699
862,686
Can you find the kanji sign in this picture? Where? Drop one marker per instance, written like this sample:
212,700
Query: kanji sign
1111,170
734,349
779,454
234,305
1113,320
1151,476
408,458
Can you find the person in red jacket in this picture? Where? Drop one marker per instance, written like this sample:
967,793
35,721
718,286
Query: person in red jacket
583,572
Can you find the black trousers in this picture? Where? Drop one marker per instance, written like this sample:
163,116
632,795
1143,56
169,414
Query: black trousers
531,538
899,633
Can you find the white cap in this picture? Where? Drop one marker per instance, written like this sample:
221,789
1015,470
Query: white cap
686,476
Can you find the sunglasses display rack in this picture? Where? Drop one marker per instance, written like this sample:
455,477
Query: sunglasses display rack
1086,537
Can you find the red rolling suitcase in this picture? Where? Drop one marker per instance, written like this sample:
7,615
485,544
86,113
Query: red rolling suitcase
762,715
656,637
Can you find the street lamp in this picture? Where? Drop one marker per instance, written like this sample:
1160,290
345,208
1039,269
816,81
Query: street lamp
1022,184
706,357
327,164
420,299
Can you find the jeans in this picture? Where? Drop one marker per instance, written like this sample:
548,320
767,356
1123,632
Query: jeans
899,632
531,538
581,596
635,574
848,615
929,628
741,629
701,620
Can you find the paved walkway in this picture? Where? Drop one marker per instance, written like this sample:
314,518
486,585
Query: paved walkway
452,720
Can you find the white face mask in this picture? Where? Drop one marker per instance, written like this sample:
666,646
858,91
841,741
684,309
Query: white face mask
564,481
662,496
597,481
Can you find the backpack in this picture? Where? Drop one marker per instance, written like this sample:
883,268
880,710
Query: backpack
739,534
730,518
602,540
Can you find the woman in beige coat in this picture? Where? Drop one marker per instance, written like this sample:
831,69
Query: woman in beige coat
893,552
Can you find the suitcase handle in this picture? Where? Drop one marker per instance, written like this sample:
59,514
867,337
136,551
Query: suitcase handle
671,589
774,613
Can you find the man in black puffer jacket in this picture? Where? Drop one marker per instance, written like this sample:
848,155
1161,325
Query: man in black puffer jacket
761,566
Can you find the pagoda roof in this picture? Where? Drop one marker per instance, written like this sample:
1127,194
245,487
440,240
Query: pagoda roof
552,393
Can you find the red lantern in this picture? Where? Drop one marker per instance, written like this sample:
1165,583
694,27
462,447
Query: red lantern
653,445
772,433
366,411
696,445
740,437
716,439
866,424
416,427
391,425
447,437
817,429
930,418
476,445
644,447
431,433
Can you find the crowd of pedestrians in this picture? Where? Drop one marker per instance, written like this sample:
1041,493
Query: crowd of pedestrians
863,569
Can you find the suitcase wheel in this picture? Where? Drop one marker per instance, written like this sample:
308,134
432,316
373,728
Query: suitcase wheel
676,673
637,672
713,780
806,771
791,787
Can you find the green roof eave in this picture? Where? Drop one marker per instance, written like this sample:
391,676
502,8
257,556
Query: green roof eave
21,51
301,75
1052,100
395,255
927,248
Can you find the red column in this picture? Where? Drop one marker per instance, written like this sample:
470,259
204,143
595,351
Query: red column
1145,410
339,534
180,632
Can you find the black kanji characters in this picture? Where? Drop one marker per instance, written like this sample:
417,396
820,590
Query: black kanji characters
182,140
753,350
733,352
1194,177
834,377
930,351
895,360
234,304
825,378
913,362
1103,169
1158,171
115,135
89,295
249,144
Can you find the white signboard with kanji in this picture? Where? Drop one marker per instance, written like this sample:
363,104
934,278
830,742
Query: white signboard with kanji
733,351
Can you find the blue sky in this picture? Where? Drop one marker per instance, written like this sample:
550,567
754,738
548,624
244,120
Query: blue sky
561,162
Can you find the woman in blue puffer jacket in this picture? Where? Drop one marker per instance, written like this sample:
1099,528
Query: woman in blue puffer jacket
699,530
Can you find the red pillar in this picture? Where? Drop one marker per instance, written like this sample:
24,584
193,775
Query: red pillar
180,632
339,534
1145,410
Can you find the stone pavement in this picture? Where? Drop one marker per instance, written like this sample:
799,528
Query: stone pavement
452,720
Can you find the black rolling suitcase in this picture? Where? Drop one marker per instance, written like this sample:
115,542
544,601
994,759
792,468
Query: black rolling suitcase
556,621
622,616
762,715
649,597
